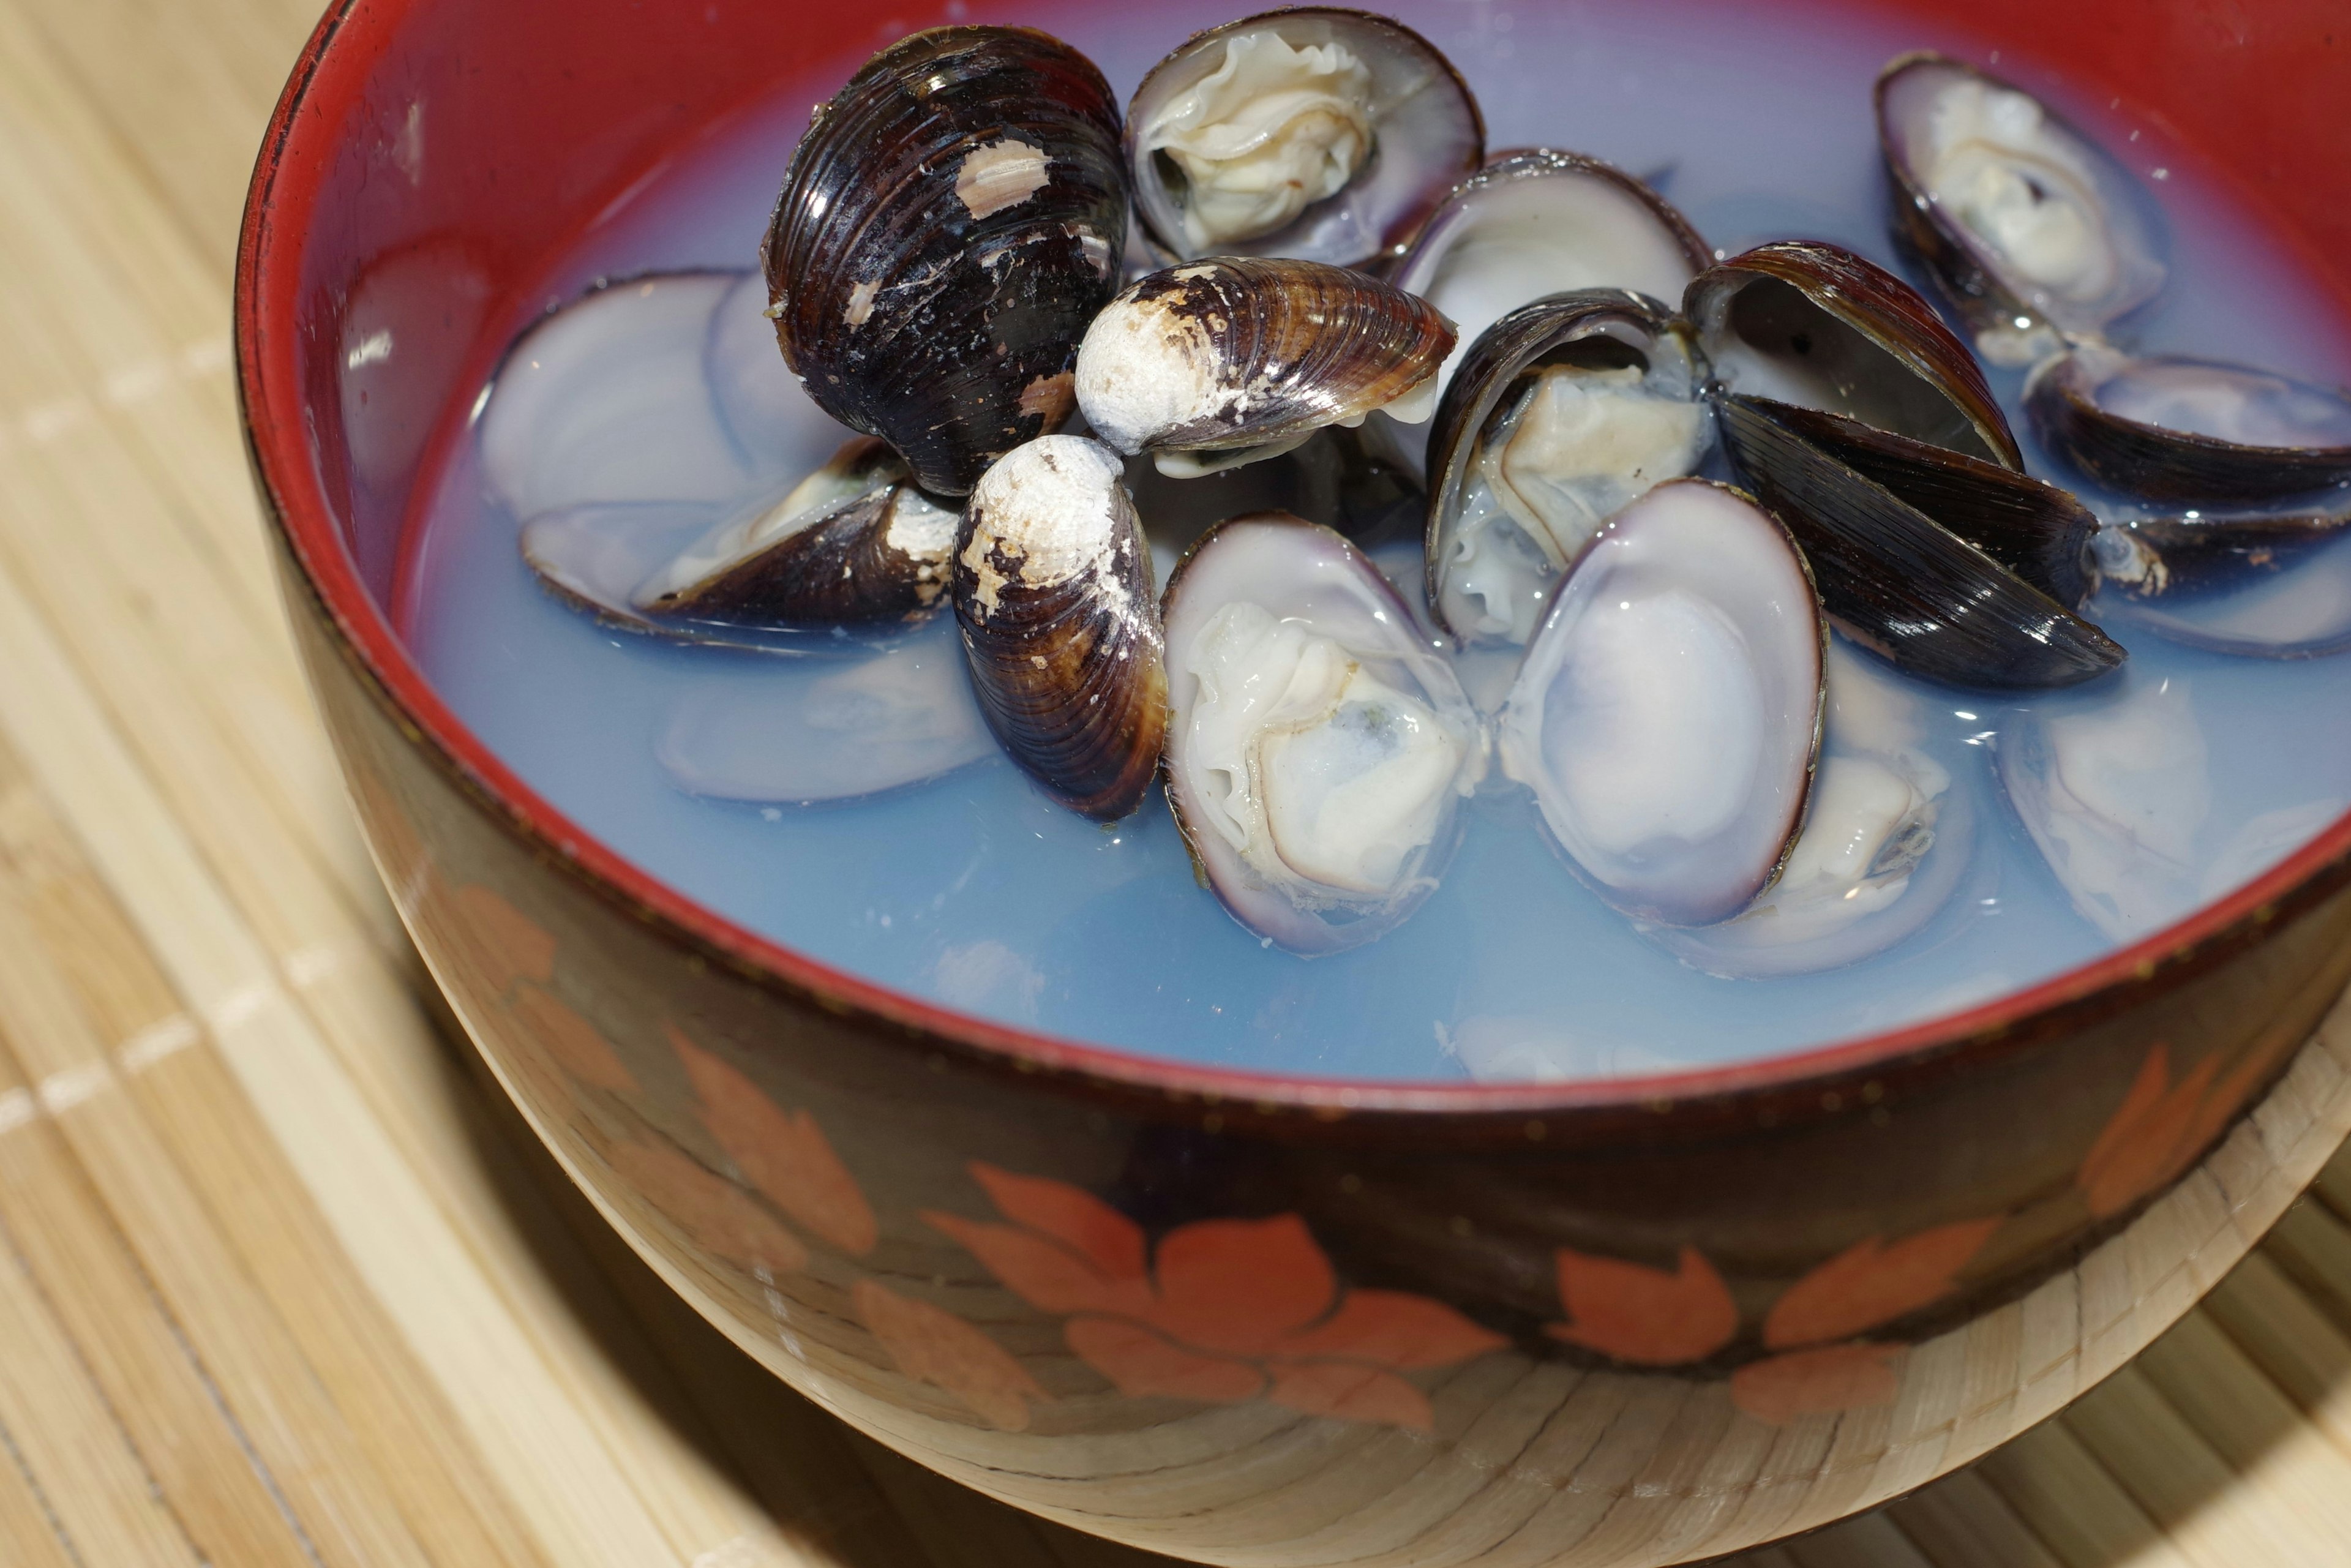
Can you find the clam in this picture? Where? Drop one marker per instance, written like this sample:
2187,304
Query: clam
1857,417
1668,712
1315,131
851,542
2036,234
2172,428
1563,412
2269,584
950,223
1540,222
1053,587
1885,842
1218,363
1899,583
1318,745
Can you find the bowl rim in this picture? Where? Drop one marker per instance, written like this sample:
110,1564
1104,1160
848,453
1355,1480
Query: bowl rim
269,408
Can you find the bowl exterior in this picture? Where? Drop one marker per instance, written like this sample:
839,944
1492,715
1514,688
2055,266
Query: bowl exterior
1272,1323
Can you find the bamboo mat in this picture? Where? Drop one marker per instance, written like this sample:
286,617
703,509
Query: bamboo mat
282,1282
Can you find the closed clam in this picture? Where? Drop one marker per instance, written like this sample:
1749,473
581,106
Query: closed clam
1561,413
1669,713
1229,360
2035,233
950,223
1053,587
2261,584
1313,132
1318,745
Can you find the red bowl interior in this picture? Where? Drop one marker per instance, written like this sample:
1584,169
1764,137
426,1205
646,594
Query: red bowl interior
469,142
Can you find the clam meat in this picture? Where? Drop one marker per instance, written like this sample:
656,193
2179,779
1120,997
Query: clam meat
1060,627
1235,360
1315,131
1318,745
2172,428
1535,222
2037,234
1564,410
1885,842
952,220
1669,714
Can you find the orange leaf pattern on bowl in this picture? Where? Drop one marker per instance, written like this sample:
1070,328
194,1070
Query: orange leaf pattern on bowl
783,1153
1645,1316
1822,1382
933,1346
2161,1127
577,1045
713,1213
1872,1282
1225,1310
507,946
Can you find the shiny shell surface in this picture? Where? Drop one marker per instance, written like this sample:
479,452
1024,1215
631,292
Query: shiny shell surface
2173,428
950,223
1812,324
1060,625
1668,712
1539,222
1315,131
1318,745
1246,352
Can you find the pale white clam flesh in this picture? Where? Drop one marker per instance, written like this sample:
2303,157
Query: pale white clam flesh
2235,403
1567,452
1271,130
2045,212
1667,715
1885,842
1317,743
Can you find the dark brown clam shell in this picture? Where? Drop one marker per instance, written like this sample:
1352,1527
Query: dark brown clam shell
2150,557
1885,357
950,223
1053,585
2166,464
2035,530
1242,351
1899,583
1999,309
1624,324
1434,135
864,559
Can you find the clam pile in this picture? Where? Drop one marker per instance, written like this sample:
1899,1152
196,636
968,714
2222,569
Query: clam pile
1691,530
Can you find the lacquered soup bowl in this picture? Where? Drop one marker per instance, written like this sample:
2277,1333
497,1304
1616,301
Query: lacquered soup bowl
1243,1318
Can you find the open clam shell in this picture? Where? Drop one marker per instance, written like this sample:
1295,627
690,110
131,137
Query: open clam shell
1813,325
1885,843
1053,587
1318,745
1669,713
2034,231
950,223
853,542
1246,356
1898,582
2257,584
1540,222
2173,428
1315,131
1561,411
